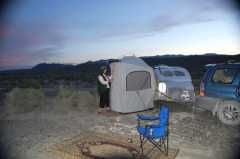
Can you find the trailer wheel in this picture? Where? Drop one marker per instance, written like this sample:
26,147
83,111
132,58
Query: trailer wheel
229,113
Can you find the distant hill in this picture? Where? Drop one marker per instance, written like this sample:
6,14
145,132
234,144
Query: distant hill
88,71
51,67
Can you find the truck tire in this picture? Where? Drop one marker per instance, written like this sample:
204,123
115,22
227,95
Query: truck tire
229,112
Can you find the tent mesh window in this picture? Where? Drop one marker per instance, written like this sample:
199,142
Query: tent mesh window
138,80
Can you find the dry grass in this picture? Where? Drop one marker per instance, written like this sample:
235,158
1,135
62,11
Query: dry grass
72,98
24,100
21,100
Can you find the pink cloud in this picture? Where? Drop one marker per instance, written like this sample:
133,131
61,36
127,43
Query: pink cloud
14,59
29,43
2,33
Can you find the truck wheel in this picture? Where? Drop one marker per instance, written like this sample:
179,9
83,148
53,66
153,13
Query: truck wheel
229,113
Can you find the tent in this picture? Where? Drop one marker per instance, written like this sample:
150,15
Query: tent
133,85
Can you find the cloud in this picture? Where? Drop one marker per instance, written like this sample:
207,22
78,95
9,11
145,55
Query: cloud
181,12
166,22
213,5
190,12
28,43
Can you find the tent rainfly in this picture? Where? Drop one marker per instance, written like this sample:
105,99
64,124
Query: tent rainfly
133,85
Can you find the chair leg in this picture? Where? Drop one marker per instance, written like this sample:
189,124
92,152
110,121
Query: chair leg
167,145
156,144
162,145
141,144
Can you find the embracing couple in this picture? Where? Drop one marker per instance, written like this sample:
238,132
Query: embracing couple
103,86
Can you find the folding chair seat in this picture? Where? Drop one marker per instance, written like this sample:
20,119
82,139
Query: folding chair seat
156,134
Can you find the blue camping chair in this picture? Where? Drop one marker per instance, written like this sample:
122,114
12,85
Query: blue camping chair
156,134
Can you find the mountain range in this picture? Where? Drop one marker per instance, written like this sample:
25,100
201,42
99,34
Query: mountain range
87,71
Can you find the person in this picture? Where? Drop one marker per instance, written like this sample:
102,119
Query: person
103,85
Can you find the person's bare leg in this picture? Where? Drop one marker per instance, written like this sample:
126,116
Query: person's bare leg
101,103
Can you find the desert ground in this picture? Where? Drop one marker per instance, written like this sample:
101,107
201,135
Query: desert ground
27,130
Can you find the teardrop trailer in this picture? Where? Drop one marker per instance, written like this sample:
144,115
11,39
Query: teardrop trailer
174,84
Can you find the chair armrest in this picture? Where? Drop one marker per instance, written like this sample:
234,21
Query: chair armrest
147,117
155,126
150,129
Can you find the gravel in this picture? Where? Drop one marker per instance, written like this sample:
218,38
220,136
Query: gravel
199,135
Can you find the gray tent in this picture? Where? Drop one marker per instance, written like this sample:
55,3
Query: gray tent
133,85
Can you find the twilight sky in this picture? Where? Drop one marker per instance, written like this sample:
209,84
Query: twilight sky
76,31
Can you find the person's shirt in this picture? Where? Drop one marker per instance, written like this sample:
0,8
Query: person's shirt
103,81
109,78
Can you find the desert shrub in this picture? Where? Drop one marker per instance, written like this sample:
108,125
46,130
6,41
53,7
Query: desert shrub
65,92
84,98
68,98
21,100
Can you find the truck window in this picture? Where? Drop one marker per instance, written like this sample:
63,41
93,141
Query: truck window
224,76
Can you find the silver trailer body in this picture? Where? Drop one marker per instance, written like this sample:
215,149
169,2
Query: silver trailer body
174,84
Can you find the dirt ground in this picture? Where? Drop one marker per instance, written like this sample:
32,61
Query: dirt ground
198,135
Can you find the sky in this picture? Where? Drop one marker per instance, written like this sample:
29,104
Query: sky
76,31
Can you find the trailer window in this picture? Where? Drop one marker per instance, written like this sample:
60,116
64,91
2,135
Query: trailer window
138,80
166,73
179,73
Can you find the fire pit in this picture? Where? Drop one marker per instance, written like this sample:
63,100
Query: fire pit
108,150
92,145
